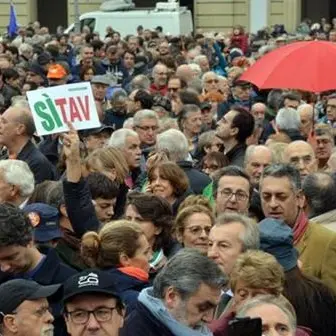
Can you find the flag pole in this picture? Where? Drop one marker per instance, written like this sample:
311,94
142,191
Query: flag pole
77,15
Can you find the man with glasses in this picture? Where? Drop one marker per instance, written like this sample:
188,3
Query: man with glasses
92,306
146,124
24,308
160,76
175,85
232,190
210,82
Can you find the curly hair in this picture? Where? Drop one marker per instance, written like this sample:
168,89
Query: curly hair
156,210
15,227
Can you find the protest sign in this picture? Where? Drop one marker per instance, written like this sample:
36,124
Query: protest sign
53,107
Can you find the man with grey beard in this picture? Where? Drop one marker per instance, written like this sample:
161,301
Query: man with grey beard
24,308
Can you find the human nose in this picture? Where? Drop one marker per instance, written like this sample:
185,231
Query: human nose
273,203
49,317
212,252
208,316
92,323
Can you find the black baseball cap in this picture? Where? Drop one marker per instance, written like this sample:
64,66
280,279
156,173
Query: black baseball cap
94,131
90,281
14,292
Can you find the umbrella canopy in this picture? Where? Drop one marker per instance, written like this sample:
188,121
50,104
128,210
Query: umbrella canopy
308,66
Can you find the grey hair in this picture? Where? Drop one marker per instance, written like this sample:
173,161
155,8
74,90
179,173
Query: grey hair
207,74
319,189
175,142
144,114
288,118
24,48
18,173
156,67
119,96
250,238
198,59
186,272
283,170
128,123
140,82
196,68
118,138
206,139
279,301
251,149
313,113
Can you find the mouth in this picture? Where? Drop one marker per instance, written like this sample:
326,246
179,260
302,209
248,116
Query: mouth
276,215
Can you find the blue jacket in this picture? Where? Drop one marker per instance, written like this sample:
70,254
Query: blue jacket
145,324
128,288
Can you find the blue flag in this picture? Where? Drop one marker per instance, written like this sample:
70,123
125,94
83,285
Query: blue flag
12,27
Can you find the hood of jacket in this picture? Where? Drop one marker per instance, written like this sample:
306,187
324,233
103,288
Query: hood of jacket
160,312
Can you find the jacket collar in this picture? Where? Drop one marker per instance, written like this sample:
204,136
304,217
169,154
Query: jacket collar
303,243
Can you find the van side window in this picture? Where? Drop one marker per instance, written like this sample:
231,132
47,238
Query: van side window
90,22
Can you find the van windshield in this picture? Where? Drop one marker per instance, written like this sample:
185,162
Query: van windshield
89,22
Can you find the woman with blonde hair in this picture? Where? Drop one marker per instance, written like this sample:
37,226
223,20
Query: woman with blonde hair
112,163
122,249
192,227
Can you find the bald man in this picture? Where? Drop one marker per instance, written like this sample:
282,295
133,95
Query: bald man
16,131
257,158
301,155
306,113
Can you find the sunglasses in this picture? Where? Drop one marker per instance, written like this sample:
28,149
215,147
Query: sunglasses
210,81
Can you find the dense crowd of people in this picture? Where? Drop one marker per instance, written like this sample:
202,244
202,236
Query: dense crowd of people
201,205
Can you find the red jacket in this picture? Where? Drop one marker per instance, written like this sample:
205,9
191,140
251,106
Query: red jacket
163,90
220,327
241,42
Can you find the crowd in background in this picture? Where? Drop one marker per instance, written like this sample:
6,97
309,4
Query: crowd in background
198,201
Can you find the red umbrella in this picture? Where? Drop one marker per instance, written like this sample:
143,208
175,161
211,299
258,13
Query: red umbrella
308,66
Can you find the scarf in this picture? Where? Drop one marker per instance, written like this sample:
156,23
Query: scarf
300,226
160,312
135,272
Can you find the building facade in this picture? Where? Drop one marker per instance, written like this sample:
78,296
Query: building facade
209,15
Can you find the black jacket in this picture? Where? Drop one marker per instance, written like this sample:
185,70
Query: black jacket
197,180
40,166
141,322
236,155
51,272
78,203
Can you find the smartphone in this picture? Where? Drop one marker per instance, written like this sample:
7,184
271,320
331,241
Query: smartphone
245,326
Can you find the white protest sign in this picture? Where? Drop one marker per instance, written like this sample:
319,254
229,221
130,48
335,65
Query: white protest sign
53,107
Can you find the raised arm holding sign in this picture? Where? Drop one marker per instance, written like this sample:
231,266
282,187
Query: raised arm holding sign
54,107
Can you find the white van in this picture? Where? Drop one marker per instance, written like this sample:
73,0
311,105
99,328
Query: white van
123,18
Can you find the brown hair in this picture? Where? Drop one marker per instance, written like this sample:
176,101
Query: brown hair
156,210
85,69
174,174
186,212
103,249
257,269
108,159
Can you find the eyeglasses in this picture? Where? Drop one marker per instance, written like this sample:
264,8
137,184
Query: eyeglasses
147,128
228,193
197,230
210,81
103,314
173,89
